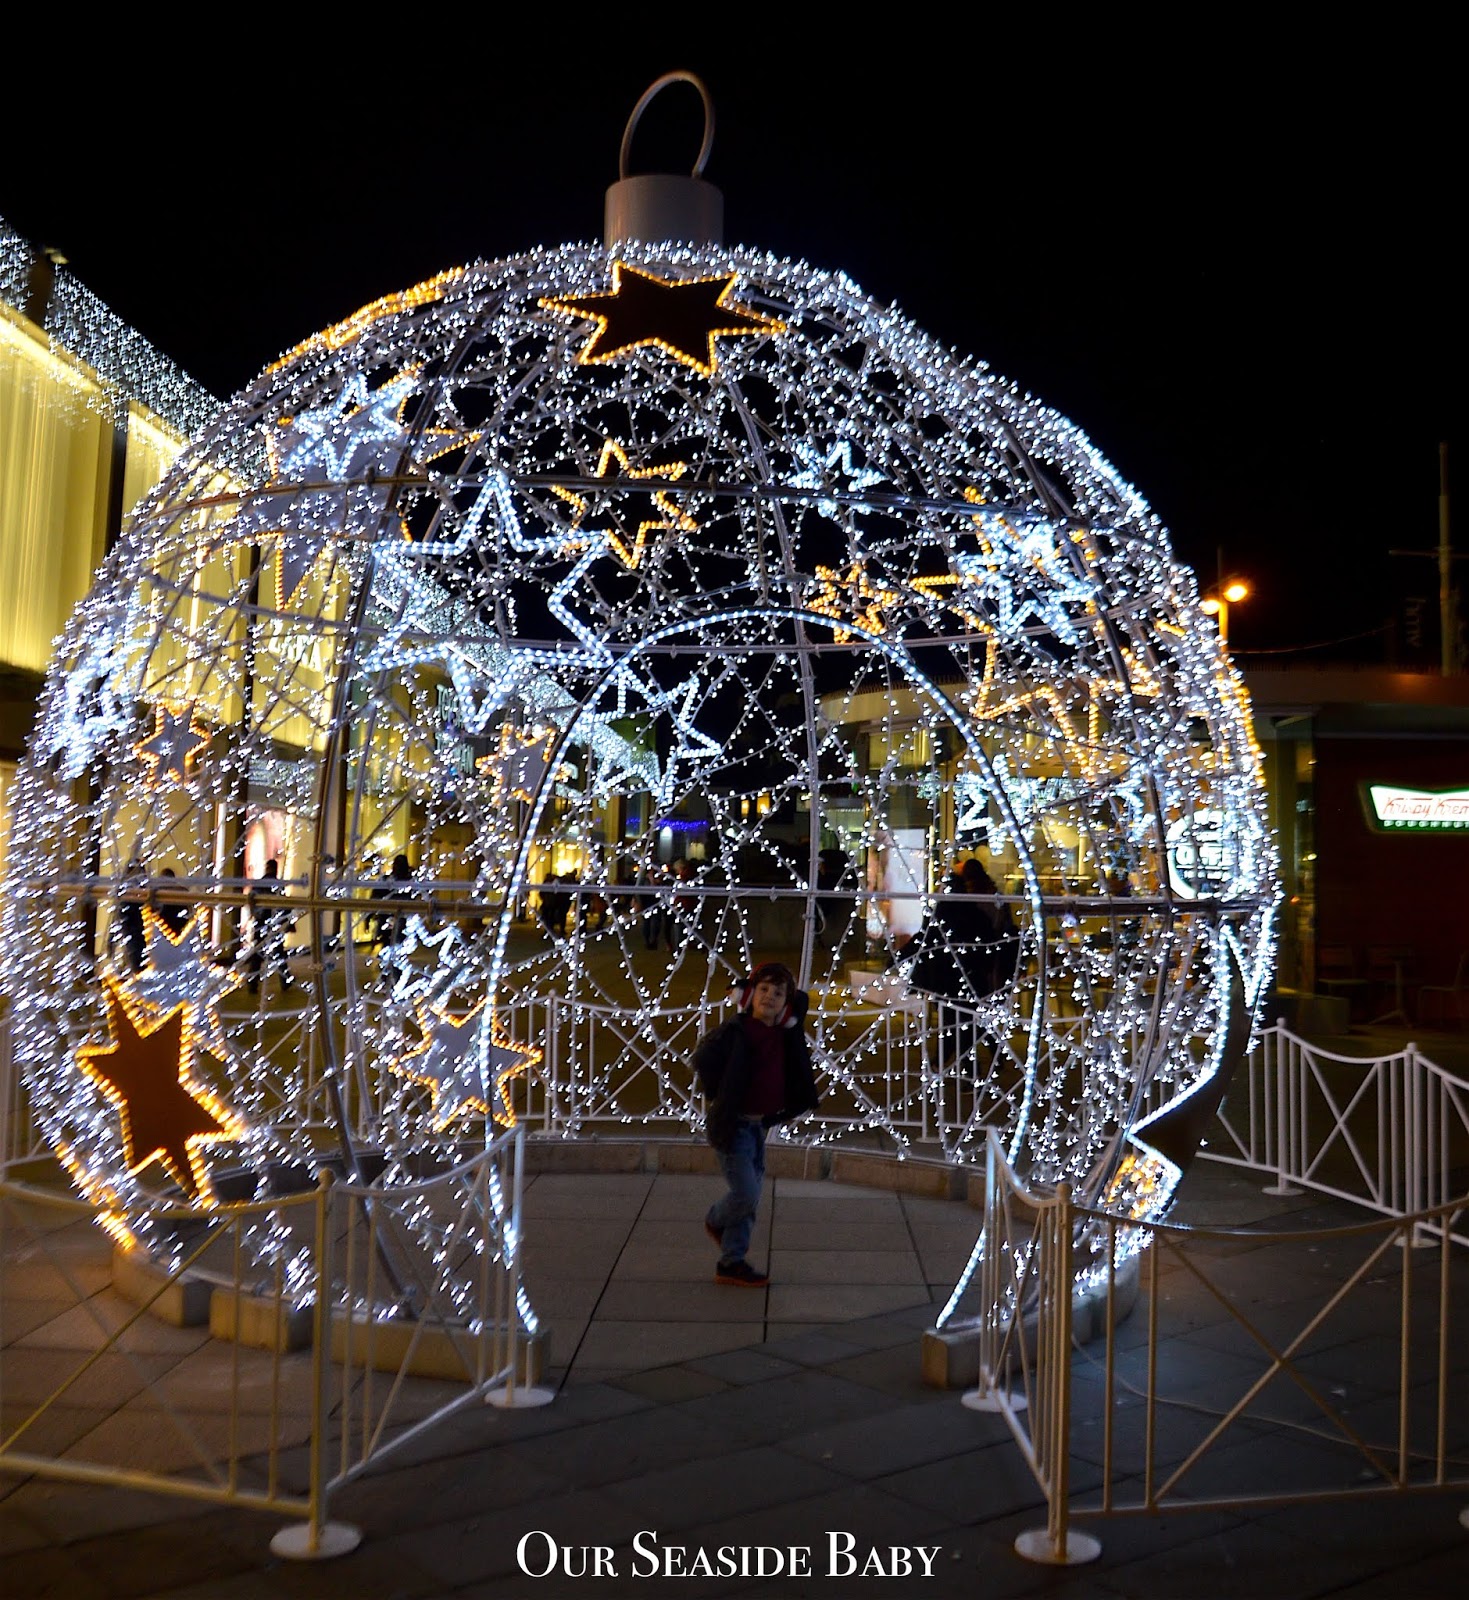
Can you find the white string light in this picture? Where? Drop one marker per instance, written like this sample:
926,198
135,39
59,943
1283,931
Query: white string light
486,595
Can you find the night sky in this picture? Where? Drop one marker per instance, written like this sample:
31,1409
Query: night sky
1233,262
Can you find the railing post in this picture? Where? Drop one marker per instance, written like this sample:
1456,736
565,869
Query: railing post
317,1539
526,1394
553,1061
1285,1061
1056,1544
1417,1146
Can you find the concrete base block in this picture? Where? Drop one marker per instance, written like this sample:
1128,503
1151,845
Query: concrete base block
792,1161
950,1357
184,1303
682,1158
426,1352
259,1322
584,1155
950,1360
929,1178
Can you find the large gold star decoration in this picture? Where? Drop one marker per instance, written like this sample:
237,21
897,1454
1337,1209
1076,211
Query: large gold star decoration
165,1117
851,596
674,518
681,318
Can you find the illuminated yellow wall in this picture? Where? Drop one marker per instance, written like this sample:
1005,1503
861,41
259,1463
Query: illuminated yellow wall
56,467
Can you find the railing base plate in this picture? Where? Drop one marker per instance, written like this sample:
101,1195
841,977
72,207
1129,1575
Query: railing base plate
1037,1545
293,1543
521,1395
989,1400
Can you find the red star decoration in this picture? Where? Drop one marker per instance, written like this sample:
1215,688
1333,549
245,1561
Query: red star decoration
164,1116
683,318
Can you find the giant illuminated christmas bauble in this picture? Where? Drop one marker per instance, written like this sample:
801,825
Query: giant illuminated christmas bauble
618,564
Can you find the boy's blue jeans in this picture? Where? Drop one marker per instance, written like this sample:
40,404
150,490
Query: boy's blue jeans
743,1165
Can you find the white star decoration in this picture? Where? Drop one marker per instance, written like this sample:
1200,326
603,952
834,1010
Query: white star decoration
464,1063
835,472
1019,572
417,981
94,706
180,972
324,464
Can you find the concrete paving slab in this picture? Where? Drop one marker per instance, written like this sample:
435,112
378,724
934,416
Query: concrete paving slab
649,1301
51,1432
753,1364
100,1382
847,1267
788,1234
88,1326
687,1496
686,1262
801,1302
622,1346
666,1385
677,1196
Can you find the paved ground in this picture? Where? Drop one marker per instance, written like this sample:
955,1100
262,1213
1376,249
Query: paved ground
691,1416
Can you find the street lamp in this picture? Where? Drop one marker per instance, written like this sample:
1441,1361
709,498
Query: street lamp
1219,599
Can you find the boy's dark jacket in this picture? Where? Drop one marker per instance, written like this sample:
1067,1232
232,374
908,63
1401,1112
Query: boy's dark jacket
723,1063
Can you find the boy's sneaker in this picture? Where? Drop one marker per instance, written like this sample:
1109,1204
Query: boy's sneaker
740,1272
716,1234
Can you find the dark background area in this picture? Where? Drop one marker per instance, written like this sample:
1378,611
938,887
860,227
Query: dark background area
1231,260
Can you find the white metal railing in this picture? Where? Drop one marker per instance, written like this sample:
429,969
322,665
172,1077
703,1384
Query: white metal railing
384,1304
1390,1133
1033,1358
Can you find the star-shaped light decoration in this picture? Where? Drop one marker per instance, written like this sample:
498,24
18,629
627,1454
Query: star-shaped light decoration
418,980
851,596
178,971
691,744
673,517
1052,711
325,467
175,741
682,318
834,470
95,704
1019,571
166,1118
465,1063
517,768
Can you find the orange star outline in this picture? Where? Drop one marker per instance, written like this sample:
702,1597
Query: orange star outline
681,317
675,517
165,1116
856,587
526,1056
161,715
496,763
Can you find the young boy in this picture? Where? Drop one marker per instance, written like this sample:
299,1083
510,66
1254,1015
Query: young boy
756,1072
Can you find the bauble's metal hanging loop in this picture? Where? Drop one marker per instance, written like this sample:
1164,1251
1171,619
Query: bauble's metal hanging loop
662,205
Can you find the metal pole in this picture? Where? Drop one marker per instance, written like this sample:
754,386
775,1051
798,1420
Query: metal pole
1446,630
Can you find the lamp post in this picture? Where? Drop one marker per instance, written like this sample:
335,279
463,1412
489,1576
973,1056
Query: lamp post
1219,599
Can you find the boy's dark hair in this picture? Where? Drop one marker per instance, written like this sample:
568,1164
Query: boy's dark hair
773,972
